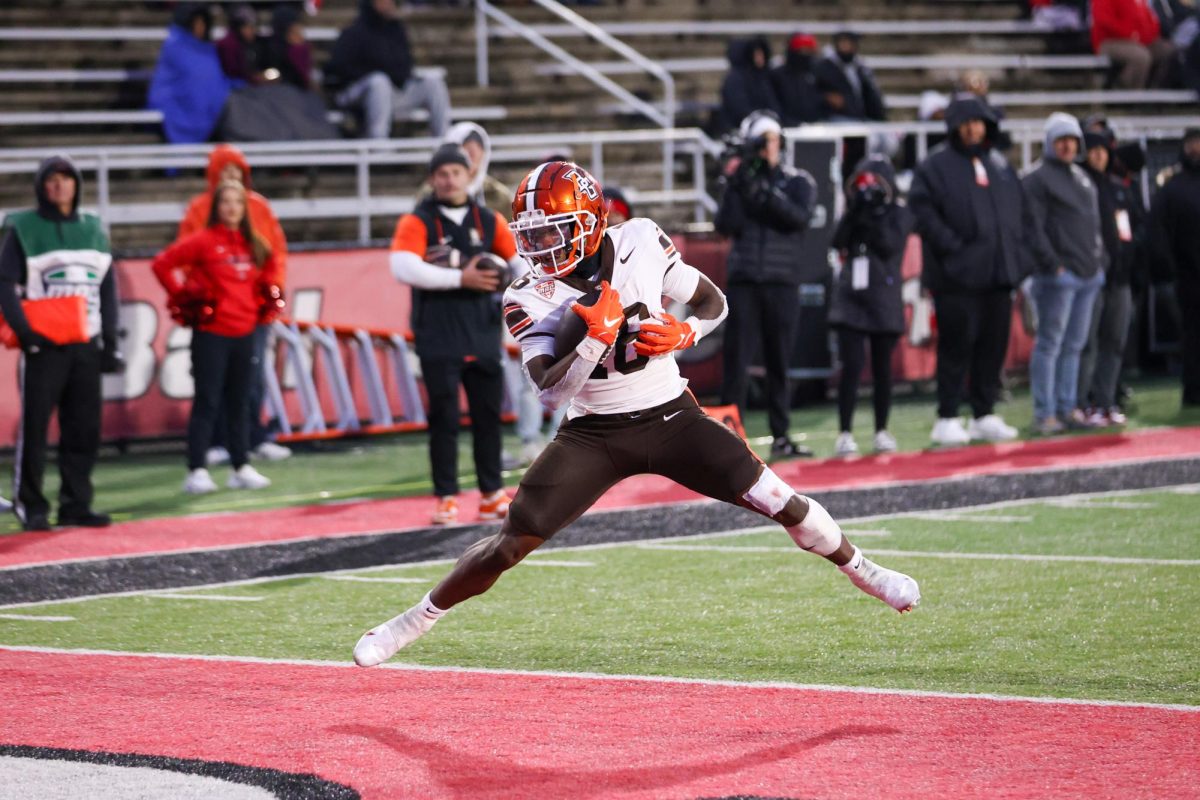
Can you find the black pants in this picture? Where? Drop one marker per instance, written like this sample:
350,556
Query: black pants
221,369
254,397
483,380
763,314
972,342
851,346
1188,293
66,378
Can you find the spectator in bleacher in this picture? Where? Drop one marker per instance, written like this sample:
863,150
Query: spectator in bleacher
1069,260
446,251
975,83
55,250
795,84
765,208
847,85
1129,33
1121,217
970,213
288,50
222,281
189,87
1058,15
227,163
371,70
867,307
243,55
747,87
1175,242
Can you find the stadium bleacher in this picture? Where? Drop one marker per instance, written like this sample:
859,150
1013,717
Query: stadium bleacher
93,94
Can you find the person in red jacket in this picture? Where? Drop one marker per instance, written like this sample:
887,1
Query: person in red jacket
222,281
1128,32
227,163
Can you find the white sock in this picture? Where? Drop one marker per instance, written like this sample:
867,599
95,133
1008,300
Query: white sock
854,563
429,610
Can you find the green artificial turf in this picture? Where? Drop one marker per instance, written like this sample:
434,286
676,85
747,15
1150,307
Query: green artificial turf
147,484
753,607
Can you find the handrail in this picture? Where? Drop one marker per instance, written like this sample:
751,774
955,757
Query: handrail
664,118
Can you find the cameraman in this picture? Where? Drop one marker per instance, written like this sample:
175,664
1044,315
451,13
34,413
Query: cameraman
867,305
765,209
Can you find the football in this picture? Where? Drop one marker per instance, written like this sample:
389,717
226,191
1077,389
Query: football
494,263
572,328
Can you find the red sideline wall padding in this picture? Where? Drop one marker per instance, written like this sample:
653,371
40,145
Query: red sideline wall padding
354,287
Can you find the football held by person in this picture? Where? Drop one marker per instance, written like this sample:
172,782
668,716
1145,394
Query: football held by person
629,409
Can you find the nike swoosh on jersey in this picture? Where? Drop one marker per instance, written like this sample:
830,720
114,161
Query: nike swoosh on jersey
667,417
627,255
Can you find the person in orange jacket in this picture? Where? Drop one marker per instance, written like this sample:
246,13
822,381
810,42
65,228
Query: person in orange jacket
228,163
223,282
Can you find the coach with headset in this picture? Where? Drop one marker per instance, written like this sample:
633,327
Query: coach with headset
765,208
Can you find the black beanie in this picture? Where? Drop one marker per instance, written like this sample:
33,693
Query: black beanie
1093,139
448,153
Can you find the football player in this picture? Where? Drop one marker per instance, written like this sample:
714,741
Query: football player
629,409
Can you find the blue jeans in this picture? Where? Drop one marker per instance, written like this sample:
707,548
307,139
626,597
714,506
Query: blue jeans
1064,308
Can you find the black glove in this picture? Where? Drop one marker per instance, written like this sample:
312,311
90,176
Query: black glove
112,362
34,342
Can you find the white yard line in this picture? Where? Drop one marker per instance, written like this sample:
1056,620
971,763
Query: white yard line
36,618
540,562
954,516
231,598
1164,562
594,676
366,579
1083,502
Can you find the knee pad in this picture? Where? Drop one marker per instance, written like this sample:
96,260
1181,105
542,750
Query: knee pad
817,532
769,494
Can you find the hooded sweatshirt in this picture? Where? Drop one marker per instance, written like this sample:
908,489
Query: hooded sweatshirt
1065,230
1175,223
49,254
372,43
484,189
262,218
796,86
746,88
189,86
970,210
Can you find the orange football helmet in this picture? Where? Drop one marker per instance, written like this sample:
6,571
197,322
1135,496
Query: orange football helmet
559,216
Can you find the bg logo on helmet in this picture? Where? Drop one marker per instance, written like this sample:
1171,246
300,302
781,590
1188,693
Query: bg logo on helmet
586,185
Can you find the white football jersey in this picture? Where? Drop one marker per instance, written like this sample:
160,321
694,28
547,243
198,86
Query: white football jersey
646,266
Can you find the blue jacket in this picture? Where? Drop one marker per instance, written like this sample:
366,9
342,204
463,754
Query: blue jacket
189,87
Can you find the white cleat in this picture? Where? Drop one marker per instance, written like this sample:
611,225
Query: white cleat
894,588
384,641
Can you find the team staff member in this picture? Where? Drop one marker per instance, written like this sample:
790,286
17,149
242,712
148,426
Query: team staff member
629,408
456,325
221,281
56,251
227,163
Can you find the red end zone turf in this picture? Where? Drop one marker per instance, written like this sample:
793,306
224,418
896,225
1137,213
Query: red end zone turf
409,733
255,527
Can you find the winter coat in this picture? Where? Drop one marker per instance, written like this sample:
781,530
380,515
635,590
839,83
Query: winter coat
262,218
372,43
1174,229
1116,200
217,262
766,215
864,104
1123,19
795,85
746,88
972,235
188,87
880,234
1064,209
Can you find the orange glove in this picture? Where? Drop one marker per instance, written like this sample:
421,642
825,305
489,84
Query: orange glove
654,339
605,317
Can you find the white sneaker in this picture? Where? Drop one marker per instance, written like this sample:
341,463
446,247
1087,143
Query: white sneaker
949,432
271,451
216,456
198,481
845,445
247,477
531,450
894,588
991,428
884,442
384,641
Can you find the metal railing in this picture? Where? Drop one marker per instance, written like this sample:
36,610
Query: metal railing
664,117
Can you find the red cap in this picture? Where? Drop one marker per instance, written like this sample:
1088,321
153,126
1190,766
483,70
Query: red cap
802,41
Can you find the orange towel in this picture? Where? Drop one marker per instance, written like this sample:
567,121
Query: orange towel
62,320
